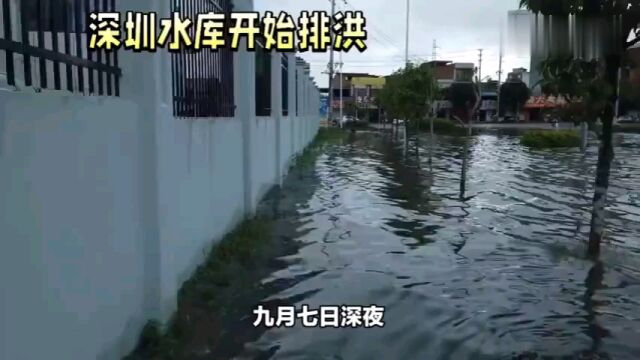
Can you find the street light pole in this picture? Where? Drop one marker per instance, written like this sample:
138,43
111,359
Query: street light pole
406,59
341,90
406,42
331,69
500,72
480,83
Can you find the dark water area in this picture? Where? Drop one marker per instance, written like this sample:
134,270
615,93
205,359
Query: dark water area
486,263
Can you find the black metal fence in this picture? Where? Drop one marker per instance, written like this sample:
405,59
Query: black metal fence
53,43
285,84
263,80
202,79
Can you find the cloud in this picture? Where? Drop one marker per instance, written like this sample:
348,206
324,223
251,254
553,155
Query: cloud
461,27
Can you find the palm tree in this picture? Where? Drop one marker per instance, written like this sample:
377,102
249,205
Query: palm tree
615,18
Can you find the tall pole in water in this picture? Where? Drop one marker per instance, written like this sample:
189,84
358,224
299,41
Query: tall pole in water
406,61
480,81
500,70
331,66
406,39
340,63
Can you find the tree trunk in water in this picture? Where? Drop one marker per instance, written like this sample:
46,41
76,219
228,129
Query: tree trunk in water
431,141
584,136
417,141
463,175
605,157
406,137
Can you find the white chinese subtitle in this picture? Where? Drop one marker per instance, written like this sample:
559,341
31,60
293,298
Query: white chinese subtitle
324,317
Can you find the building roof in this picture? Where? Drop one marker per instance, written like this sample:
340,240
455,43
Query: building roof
356,75
464,65
376,82
440,62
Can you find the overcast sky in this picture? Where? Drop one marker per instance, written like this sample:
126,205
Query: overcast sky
461,27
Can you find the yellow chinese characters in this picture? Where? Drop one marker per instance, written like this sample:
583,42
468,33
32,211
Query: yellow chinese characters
106,33
313,31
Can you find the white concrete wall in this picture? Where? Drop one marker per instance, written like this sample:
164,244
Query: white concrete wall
107,205
71,259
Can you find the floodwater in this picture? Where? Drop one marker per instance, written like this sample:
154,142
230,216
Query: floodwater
486,263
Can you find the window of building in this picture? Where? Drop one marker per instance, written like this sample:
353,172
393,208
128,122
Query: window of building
263,81
464,75
285,84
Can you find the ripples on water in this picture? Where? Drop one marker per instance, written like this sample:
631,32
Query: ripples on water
493,271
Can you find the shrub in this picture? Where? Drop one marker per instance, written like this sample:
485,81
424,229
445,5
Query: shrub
551,139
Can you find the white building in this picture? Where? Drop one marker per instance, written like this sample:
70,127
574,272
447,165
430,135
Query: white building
112,191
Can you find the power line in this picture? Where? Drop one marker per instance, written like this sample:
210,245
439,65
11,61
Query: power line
382,35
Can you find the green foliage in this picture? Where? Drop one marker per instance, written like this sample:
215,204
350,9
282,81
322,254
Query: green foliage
328,135
350,109
628,9
514,95
586,7
239,248
581,83
408,92
462,95
550,139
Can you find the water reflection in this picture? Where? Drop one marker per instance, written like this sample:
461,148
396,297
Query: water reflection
474,257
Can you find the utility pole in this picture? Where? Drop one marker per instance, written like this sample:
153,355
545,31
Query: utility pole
340,64
331,66
500,70
406,59
406,43
434,51
480,80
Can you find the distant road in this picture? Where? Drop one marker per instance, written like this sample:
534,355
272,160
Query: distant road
529,126
499,126
525,126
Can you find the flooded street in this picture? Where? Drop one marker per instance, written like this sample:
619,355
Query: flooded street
487,267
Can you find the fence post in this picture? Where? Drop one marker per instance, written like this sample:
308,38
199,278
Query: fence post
292,104
276,106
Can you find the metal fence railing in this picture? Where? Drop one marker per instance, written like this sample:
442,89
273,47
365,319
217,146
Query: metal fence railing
263,80
202,79
45,45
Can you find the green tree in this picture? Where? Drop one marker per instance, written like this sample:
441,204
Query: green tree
622,15
514,95
463,96
349,109
409,92
580,83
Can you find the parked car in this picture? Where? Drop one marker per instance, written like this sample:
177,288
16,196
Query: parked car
347,120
